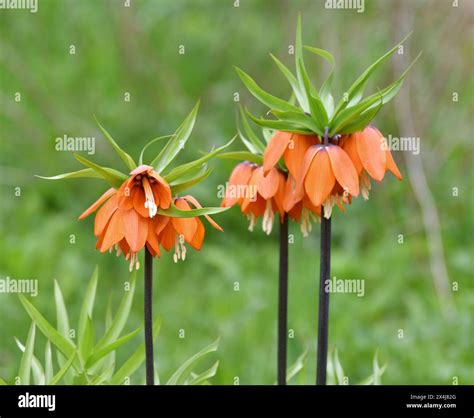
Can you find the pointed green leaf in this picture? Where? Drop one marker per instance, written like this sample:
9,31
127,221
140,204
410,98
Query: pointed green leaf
297,366
316,106
87,310
351,114
36,366
299,118
202,378
135,360
174,212
113,177
250,136
88,340
62,321
102,352
300,96
109,360
352,118
181,170
362,121
121,316
325,91
101,378
180,376
377,374
182,184
27,358
140,160
48,363
338,369
176,143
267,99
61,373
86,172
127,159
389,92
64,345
279,125
357,88
242,156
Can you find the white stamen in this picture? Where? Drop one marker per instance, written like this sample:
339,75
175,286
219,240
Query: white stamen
133,261
327,206
149,198
179,249
306,226
251,217
268,216
365,185
330,202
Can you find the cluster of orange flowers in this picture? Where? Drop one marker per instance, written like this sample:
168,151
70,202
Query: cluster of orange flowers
128,218
319,175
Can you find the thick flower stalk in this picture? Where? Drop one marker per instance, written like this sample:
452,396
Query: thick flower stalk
329,149
263,188
141,210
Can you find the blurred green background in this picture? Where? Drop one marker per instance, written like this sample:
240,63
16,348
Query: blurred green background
135,49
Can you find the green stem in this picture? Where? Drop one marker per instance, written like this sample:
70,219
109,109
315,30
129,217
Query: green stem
283,302
148,314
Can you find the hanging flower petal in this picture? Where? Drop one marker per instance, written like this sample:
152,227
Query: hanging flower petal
197,205
198,238
293,194
139,203
184,226
104,214
343,169
168,237
304,168
92,208
152,238
296,151
114,231
267,185
320,179
239,177
390,164
160,223
135,228
280,195
348,144
275,149
371,151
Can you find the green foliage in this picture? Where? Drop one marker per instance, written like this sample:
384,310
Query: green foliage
93,362
176,143
174,212
316,108
180,178
122,154
337,376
